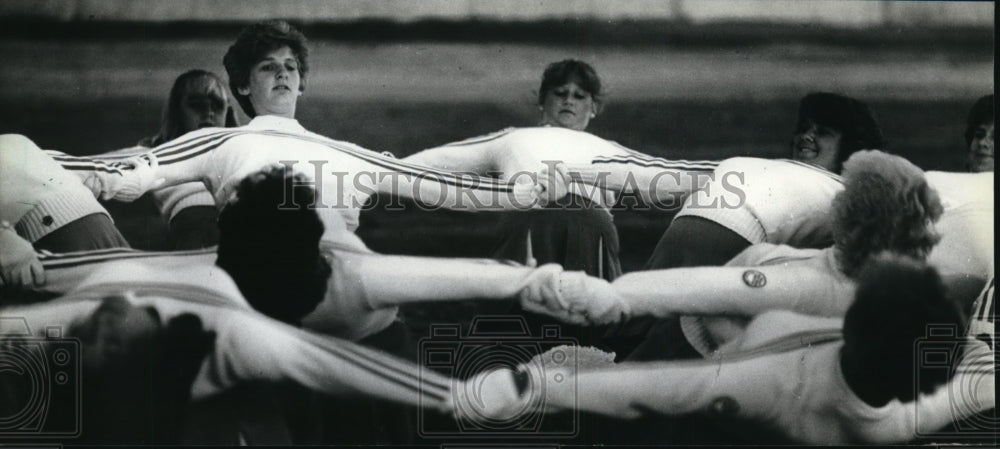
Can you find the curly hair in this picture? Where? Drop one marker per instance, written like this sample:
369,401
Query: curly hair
562,72
981,113
897,300
852,118
252,45
886,205
271,248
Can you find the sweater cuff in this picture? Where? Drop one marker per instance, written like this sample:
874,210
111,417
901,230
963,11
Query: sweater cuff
130,188
56,211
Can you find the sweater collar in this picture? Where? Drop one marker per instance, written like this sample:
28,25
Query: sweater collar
275,122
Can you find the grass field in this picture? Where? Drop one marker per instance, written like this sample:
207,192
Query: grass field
87,95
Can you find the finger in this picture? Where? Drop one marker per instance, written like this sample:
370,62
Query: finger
38,273
564,172
529,251
24,276
156,184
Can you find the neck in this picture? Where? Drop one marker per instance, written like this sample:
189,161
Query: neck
862,382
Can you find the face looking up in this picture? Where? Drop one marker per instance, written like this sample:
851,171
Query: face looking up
568,106
980,158
115,329
816,145
204,105
274,84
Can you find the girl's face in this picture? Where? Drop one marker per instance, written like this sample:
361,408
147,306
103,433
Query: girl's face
274,84
114,329
568,106
981,155
203,105
816,144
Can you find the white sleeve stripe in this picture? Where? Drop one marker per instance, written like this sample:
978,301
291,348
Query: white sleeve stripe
66,260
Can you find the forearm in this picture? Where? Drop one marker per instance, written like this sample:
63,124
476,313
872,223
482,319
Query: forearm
705,290
393,280
673,388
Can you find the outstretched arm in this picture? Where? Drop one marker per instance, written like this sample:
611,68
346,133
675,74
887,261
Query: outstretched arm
460,191
318,362
391,280
746,291
655,180
750,387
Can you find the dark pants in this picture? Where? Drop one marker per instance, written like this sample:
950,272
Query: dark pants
575,234
90,232
689,242
194,227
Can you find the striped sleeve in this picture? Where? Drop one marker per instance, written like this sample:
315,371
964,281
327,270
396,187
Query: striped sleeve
435,188
982,321
65,271
656,180
107,178
432,187
251,348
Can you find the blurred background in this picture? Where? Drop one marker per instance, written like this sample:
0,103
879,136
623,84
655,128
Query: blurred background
703,79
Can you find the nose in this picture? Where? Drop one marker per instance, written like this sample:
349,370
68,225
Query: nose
809,135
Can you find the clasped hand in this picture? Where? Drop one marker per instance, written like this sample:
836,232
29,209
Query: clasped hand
572,297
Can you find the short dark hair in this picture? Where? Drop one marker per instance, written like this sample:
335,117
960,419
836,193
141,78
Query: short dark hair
252,45
981,113
886,205
562,72
272,252
853,119
897,301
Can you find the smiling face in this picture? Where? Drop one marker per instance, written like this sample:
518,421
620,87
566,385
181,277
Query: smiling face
568,106
274,84
980,158
816,144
